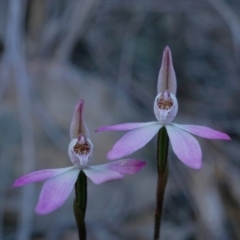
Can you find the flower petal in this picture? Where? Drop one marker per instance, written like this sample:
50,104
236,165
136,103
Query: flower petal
185,146
202,131
124,126
133,140
56,190
100,174
77,124
114,170
167,78
38,176
125,166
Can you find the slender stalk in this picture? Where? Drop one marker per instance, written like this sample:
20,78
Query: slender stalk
162,166
80,204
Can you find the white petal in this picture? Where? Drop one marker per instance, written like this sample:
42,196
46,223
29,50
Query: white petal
165,117
78,159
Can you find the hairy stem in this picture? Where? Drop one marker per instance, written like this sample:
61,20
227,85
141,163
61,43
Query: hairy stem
162,166
80,204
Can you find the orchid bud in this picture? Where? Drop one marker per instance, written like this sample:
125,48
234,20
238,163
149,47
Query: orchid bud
80,150
165,107
78,125
167,78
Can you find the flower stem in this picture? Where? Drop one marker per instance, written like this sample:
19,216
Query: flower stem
162,166
80,204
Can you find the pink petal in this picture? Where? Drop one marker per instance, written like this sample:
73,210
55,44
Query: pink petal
114,170
125,166
124,126
133,140
167,78
56,190
77,124
185,146
204,132
38,176
100,174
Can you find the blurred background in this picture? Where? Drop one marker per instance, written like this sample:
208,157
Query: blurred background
56,52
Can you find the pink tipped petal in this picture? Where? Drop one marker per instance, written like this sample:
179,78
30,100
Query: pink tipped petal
55,191
100,174
133,140
124,126
126,166
167,77
114,170
38,176
77,124
185,146
204,132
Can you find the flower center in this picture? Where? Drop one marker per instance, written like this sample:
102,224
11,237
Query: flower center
165,107
81,149
165,102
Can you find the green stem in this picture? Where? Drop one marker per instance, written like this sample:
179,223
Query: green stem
162,166
80,204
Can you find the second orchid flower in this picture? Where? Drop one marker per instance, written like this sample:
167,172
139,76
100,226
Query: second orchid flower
60,181
184,145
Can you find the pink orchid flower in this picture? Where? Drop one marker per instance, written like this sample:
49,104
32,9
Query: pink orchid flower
60,181
184,145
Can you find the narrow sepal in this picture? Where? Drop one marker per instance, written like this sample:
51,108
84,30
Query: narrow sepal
124,126
167,77
202,131
78,125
